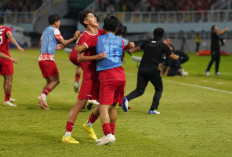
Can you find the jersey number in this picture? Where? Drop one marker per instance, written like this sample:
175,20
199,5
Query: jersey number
1,38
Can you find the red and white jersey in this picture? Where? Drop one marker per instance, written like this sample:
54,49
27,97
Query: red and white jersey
90,40
4,41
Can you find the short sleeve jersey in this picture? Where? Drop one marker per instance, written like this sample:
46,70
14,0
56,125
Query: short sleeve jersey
90,40
4,41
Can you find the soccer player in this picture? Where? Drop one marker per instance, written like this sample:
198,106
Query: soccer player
49,43
148,70
6,64
111,75
86,48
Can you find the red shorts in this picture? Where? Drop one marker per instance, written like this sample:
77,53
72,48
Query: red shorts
6,68
111,92
89,89
48,68
73,57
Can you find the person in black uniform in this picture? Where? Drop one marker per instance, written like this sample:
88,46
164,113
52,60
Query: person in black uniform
215,48
154,51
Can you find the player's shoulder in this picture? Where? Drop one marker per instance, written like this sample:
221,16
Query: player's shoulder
5,28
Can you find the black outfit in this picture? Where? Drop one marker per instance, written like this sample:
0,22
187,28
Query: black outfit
148,70
174,66
215,51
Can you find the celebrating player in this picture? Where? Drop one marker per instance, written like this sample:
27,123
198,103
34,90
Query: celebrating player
49,43
6,62
112,77
86,48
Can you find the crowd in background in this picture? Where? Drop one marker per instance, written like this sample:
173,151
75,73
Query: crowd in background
153,5
20,5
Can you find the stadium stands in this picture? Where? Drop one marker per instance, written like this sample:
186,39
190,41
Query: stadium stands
21,5
153,5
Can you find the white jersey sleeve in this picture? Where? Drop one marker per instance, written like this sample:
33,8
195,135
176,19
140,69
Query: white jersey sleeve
58,35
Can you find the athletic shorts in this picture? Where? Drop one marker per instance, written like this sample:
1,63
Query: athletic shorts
73,58
111,92
6,68
48,68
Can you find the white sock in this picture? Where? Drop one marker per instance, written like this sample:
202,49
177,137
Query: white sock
89,124
67,134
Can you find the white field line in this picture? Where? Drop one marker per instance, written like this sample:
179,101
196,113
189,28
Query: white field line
193,85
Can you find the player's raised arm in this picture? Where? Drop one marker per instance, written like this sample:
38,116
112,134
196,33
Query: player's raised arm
14,60
12,39
223,31
66,42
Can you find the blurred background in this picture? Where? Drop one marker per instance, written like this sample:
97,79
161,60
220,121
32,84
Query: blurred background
185,21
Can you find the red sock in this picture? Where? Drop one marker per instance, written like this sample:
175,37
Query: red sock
7,96
46,91
77,77
93,118
69,126
106,128
112,126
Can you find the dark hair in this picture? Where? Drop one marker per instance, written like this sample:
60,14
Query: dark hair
158,32
98,19
53,18
122,30
212,28
82,16
1,19
111,23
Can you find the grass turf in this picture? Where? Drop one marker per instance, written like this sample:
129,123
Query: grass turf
194,120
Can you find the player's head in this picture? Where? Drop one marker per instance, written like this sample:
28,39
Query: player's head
214,28
158,33
54,19
1,20
122,30
111,24
86,17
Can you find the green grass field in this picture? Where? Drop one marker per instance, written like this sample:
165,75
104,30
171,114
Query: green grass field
195,119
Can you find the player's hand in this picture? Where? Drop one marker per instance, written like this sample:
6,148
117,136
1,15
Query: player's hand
101,56
15,60
76,35
59,46
131,44
21,49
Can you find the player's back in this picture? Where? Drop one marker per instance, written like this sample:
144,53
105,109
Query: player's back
4,40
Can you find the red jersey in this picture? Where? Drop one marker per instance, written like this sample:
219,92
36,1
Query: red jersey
90,40
4,41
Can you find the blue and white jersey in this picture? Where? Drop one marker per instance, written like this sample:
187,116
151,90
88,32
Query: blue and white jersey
49,40
113,46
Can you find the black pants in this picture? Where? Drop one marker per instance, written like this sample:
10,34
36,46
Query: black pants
215,56
197,47
144,76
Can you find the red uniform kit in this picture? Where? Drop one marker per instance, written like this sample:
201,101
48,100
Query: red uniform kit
90,83
6,66
73,57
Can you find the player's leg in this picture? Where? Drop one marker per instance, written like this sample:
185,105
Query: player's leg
113,117
67,138
156,81
7,85
142,82
52,82
88,125
77,78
